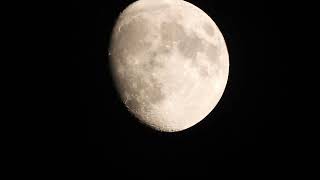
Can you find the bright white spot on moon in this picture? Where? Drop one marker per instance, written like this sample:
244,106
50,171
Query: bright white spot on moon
170,63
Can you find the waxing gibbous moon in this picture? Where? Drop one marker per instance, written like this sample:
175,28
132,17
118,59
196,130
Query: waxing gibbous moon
169,62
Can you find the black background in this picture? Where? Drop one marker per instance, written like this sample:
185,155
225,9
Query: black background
237,132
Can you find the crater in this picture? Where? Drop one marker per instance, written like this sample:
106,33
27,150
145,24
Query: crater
132,104
143,90
203,70
130,39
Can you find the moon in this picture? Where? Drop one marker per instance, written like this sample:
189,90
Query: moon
169,62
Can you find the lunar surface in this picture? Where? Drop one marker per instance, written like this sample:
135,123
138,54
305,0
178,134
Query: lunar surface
169,61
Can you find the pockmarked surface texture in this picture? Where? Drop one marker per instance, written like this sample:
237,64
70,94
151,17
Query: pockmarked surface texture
169,61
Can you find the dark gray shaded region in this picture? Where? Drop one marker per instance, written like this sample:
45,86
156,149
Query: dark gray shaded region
208,29
150,64
188,45
213,53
